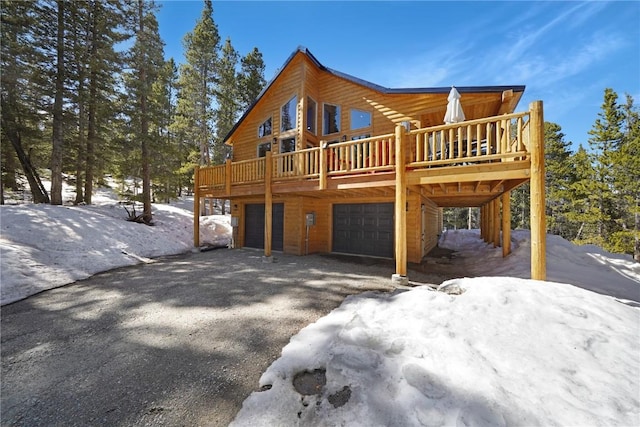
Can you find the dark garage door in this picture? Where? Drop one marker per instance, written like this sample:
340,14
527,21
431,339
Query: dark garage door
364,229
254,226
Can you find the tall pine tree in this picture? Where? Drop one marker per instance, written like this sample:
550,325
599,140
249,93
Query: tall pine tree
559,177
198,83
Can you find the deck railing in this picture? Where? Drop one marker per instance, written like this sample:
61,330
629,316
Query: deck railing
362,155
503,138
494,139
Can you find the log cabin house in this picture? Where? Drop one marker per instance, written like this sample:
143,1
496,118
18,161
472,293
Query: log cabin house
324,162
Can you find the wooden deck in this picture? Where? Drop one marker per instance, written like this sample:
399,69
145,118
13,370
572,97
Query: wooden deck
462,164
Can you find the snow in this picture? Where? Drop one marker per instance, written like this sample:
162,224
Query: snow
44,246
493,350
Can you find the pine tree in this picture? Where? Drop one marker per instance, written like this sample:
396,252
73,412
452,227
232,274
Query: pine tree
605,141
106,28
559,177
146,62
57,150
627,178
251,79
584,208
22,117
198,83
228,100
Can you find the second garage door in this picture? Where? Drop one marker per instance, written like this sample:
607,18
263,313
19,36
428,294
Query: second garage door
364,229
254,226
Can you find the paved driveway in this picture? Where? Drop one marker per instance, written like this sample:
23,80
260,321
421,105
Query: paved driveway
181,341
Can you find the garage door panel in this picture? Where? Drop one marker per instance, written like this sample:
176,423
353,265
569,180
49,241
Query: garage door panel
365,229
254,226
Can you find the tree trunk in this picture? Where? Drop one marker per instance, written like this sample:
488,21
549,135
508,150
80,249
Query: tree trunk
144,127
9,128
58,137
93,109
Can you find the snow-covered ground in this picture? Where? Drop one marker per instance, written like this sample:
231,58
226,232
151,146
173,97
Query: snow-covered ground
484,351
44,246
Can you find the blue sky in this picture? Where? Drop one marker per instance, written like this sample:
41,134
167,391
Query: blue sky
565,53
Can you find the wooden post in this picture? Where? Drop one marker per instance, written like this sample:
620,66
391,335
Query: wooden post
400,207
496,222
538,218
268,204
323,165
490,217
227,177
506,223
483,214
196,207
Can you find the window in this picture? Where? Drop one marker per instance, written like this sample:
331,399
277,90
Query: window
265,128
287,145
311,115
360,119
363,136
331,119
263,148
288,115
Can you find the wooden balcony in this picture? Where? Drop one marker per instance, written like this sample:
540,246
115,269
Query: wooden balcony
461,164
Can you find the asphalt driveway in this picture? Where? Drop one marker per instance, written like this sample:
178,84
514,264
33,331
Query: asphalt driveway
181,341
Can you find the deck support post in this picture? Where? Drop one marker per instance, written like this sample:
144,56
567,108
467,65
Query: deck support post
481,222
196,207
489,233
496,222
506,223
323,165
537,194
227,177
268,204
400,210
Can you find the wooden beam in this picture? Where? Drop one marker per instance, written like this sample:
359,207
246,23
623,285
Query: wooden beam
268,204
442,187
227,177
496,222
400,205
472,173
323,165
506,223
537,196
497,184
196,207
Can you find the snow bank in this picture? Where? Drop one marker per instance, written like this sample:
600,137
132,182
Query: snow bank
506,351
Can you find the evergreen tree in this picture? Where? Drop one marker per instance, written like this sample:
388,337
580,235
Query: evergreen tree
146,60
106,28
57,150
605,141
198,83
626,238
228,100
584,208
559,177
251,79
21,102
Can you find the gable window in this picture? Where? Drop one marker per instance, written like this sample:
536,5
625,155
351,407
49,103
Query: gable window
360,119
288,115
265,128
263,148
311,115
330,119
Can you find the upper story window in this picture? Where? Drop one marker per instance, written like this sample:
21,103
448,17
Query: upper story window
360,119
263,148
265,128
311,115
330,119
288,115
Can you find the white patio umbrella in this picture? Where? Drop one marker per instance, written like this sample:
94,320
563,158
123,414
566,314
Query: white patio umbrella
454,112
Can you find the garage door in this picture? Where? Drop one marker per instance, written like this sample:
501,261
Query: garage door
254,226
364,229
